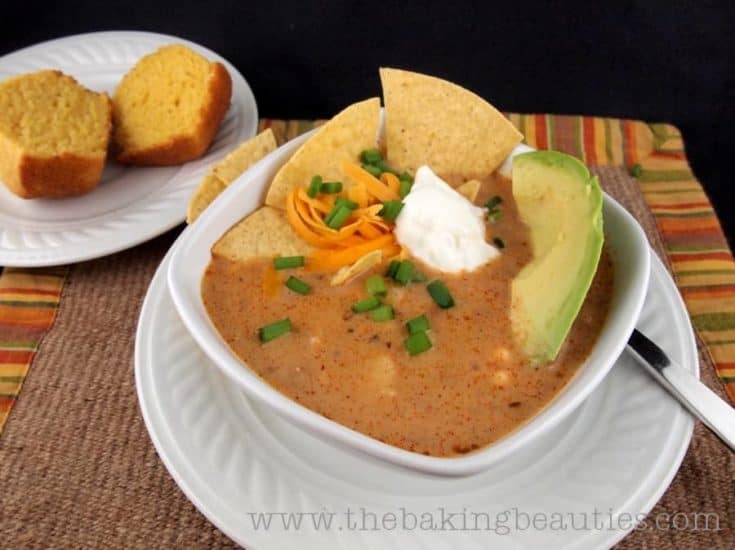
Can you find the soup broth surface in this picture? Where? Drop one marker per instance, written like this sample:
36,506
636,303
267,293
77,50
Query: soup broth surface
472,388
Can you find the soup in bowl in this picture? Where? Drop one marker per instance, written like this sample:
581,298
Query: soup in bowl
439,320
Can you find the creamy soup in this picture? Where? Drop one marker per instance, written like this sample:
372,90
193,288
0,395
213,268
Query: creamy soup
470,389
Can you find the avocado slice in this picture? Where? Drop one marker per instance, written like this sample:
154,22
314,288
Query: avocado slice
561,203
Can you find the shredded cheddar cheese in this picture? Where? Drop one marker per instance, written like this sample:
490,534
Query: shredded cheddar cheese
364,230
374,186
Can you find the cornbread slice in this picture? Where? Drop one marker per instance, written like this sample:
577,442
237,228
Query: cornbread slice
53,135
168,107
228,170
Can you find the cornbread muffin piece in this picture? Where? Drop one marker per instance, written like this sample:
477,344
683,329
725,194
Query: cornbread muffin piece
169,106
53,135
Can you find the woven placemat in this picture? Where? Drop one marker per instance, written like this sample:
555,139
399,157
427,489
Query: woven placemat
77,468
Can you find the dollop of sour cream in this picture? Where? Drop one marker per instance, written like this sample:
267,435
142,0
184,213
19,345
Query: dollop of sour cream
441,227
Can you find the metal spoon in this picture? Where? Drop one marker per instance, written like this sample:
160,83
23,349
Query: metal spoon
702,402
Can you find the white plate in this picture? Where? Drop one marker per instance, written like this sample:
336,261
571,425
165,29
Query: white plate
616,454
132,204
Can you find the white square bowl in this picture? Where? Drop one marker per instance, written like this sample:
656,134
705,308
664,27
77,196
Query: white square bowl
631,259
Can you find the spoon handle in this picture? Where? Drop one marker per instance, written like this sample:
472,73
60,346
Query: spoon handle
702,402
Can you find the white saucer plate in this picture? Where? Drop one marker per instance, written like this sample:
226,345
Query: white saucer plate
584,484
132,204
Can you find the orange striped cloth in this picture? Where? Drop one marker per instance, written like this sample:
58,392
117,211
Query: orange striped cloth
702,262
29,299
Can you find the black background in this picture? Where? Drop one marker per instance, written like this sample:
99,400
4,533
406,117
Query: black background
654,61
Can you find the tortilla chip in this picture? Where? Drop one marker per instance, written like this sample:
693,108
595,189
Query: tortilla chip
203,196
264,233
432,121
360,266
342,138
228,170
247,153
469,190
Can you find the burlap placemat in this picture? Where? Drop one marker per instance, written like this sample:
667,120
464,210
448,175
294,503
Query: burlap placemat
77,468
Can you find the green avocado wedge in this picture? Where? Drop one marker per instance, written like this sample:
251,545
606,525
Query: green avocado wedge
561,203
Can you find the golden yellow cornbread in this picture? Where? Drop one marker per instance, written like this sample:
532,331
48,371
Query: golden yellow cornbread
168,107
53,135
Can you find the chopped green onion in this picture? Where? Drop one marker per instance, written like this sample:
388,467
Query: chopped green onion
493,202
371,156
404,273
419,277
330,215
298,286
337,216
342,201
390,210
372,161
500,243
440,294
392,269
417,343
374,170
404,188
636,170
314,186
331,187
383,167
288,262
375,285
493,208
382,313
405,176
418,324
368,304
274,330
